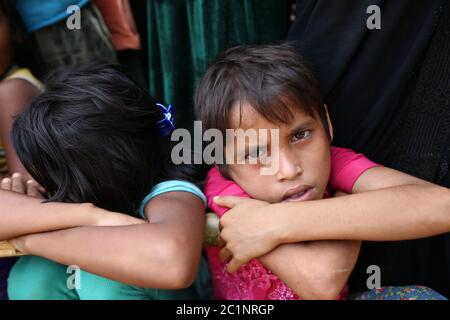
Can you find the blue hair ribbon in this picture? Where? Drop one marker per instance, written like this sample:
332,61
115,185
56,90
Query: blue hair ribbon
165,125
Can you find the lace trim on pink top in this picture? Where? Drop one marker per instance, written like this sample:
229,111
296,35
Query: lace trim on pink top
253,281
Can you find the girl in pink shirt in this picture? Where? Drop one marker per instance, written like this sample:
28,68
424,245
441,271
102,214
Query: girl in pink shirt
286,225
253,281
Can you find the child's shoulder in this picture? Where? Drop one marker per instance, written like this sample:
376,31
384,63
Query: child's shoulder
343,156
171,186
338,152
346,167
16,90
217,184
22,78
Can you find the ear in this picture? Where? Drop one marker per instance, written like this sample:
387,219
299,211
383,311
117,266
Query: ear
330,125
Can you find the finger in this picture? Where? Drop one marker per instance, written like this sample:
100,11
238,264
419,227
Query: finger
17,183
41,189
32,189
225,255
6,184
228,201
233,265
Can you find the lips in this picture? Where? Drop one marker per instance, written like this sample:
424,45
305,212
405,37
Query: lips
299,193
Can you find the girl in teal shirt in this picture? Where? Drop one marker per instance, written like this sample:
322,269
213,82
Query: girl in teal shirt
98,143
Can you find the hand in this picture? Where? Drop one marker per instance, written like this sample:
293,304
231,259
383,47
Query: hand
248,230
16,184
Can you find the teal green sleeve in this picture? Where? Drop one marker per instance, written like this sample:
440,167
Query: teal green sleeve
171,186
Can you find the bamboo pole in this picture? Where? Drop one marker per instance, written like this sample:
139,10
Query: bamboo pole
7,250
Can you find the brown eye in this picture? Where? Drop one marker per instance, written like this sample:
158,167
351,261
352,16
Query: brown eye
255,154
301,135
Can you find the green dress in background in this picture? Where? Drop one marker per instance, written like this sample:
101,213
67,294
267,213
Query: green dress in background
184,36
36,278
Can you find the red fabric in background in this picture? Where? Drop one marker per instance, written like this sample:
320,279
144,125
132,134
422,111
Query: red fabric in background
119,19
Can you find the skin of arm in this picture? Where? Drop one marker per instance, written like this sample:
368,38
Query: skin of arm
313,270
21,215
15,95
17,209
161,253
388,205
316,270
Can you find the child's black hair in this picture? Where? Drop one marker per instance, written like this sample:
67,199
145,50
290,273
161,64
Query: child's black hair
91,137
272,78
23,55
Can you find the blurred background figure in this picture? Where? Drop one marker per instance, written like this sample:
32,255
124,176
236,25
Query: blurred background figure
119,19
18,86
162,45
388,92
54,44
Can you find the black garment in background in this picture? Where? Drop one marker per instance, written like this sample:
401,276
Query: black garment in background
138,59
388,91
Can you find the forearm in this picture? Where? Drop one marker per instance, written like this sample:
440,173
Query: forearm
20,215
146,255
397,213
14,164
314,270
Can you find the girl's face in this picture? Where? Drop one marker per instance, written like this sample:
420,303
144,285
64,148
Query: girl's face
304,157
5,45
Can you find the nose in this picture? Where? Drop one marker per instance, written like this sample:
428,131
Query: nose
289,166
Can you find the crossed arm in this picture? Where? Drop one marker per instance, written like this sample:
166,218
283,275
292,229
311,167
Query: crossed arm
316,269
386,205
163,252
312,269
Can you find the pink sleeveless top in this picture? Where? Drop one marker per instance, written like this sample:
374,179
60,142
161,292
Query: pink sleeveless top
253,281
